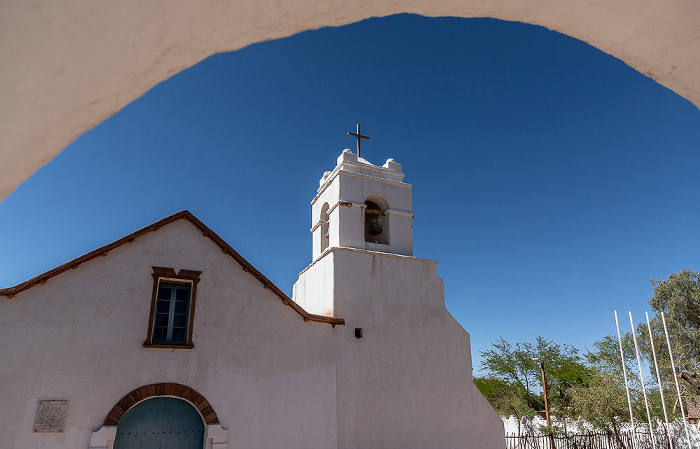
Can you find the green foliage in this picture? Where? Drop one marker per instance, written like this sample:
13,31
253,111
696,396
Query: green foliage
507,398
603,400
678,297
593,387
513,366
554,430
605,360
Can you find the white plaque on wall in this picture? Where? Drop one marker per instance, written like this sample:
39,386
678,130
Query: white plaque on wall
51,417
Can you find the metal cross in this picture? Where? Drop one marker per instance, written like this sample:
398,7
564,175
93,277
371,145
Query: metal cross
359,136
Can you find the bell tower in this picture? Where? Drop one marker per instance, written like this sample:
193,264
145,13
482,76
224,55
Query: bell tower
401,362
361,218
364,206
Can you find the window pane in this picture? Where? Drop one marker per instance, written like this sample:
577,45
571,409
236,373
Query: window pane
160,333
178,334
162,319
179,320
181,307
163,306
163,292
182,293
172,313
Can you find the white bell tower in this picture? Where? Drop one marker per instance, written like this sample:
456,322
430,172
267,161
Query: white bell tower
364,206
361,215
402,363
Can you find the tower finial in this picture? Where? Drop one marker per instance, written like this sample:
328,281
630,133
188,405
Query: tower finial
359,136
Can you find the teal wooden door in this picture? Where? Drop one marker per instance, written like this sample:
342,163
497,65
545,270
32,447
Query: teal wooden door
160,423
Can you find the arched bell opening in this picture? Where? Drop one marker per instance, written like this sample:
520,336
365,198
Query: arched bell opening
323,219
376,221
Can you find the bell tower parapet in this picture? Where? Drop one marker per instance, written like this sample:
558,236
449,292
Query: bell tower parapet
364,206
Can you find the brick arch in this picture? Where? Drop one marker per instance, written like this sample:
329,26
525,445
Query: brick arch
163,389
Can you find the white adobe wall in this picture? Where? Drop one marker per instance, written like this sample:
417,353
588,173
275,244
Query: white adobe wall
314,289
79,337
407,383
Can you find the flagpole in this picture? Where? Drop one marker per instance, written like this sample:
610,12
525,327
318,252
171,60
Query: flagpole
627,388
658,379
675,378
641,377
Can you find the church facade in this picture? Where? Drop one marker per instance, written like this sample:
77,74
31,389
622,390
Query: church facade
169,337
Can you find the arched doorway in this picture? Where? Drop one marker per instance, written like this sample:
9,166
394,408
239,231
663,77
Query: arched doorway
161,422
188,404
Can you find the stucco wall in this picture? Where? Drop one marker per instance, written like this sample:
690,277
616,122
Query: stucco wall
403,364
69,65
273,379
79,337
407,383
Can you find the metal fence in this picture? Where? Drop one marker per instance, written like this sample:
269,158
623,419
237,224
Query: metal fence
596,440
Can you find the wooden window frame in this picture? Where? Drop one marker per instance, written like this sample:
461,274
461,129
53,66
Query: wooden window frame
168,275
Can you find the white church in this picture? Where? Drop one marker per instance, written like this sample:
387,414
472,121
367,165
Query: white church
168,338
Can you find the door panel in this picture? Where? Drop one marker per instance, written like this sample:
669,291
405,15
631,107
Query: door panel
161,423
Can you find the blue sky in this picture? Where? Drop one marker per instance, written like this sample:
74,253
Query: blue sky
551,181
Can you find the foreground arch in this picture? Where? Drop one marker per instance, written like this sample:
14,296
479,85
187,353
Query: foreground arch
68,65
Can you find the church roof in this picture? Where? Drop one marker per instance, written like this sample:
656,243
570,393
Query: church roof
10,292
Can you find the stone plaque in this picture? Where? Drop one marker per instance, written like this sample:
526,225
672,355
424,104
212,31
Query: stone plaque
51,417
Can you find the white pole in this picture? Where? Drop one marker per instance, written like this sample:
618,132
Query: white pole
675,378
641,377
627,388
658,380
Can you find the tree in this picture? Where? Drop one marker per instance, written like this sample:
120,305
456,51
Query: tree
513,366
678,297
565,369
602,401
507,398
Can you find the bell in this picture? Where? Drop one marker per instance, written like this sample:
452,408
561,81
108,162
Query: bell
374,228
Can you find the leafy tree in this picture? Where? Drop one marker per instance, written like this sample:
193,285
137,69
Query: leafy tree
565,369
678,297
507,398
511,363
513,366
603,400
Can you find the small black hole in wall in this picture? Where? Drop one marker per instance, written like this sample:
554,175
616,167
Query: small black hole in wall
358,332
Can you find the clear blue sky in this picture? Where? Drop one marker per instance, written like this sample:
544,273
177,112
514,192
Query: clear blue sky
551,181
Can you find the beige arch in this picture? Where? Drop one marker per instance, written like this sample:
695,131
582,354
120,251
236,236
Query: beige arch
67,65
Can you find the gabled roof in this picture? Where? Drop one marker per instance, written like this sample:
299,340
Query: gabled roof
11,292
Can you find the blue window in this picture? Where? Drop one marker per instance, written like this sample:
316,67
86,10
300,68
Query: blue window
172,313
172,308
